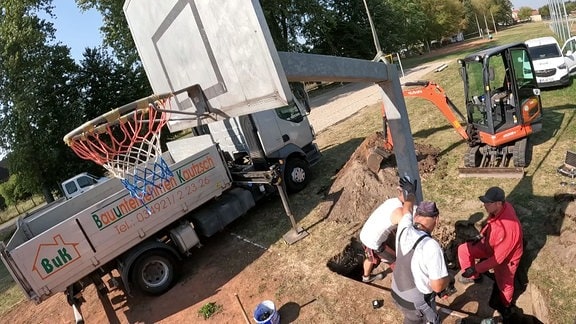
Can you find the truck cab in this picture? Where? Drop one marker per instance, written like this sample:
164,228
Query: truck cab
79,184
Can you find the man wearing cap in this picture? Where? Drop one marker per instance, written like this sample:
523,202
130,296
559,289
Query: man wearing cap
378,236
420,272
499,247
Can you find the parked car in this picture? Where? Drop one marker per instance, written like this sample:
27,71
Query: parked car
553,66
569,52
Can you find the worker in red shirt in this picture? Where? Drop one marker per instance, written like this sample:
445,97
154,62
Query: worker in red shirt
498,247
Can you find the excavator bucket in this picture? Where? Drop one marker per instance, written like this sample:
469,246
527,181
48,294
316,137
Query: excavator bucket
516,173
375,157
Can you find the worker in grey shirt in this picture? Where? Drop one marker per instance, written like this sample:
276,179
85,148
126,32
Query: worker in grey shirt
420,271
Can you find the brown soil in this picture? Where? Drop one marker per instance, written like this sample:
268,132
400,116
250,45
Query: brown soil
253,272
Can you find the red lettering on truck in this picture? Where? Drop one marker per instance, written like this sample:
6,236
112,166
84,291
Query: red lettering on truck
128,205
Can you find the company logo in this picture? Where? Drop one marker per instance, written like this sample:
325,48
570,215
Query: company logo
53,257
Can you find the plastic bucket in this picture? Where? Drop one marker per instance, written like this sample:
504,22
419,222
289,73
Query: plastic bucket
265,313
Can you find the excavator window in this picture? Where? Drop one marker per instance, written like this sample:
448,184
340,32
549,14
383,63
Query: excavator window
499,90
523,69
476,97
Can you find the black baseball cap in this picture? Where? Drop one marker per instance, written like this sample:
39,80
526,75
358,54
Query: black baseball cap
493,194
428,209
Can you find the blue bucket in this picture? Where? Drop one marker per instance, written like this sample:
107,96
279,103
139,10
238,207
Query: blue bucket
265,313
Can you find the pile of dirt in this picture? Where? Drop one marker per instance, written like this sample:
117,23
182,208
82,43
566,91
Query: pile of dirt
357,190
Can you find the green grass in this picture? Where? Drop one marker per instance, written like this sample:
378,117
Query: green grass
10,292
14,211
542,217
533,195
209,309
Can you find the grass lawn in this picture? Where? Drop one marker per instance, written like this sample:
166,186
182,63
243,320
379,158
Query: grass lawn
545,225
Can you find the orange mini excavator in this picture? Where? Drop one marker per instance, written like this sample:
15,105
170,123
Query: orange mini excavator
503,109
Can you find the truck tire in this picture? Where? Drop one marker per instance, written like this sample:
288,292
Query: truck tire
296,174
154,272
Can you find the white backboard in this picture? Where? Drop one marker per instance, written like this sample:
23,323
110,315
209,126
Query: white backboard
224,46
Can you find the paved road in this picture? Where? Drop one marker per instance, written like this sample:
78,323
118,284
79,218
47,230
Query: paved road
344,101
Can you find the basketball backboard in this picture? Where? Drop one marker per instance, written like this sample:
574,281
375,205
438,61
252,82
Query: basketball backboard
224,46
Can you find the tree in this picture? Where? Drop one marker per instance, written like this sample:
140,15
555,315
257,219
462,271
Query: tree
115,28
544,11
38,95
524,13
13,191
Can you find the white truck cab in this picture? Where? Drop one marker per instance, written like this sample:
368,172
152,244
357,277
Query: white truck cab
79,184
552,64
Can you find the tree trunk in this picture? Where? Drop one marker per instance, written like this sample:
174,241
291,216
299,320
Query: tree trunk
47,194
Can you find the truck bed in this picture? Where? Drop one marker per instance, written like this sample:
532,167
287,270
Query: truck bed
48,253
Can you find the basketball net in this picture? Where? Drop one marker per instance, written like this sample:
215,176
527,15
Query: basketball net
126,142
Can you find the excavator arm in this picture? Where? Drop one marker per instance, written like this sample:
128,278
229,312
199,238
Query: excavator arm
431,92
436,94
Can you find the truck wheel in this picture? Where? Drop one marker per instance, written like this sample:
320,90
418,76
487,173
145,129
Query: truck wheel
153,272
296,174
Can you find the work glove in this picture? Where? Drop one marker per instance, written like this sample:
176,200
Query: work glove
469,272
408,187
448,291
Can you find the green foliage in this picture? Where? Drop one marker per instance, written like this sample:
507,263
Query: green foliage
209,309
14,190
524,13
544,11
44,94
115,29
37,94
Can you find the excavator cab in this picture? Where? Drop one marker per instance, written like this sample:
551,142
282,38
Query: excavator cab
502,104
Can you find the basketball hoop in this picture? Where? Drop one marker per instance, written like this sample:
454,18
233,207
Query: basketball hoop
126,141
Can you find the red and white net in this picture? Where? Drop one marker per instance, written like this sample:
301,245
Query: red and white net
126,141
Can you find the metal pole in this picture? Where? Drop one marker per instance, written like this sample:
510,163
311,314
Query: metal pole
379,53
400,63
553,16
567,22
296,233
559,26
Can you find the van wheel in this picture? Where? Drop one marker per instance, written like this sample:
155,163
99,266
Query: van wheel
153,272
296,174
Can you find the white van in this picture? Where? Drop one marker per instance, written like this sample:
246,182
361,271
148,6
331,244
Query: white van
551,66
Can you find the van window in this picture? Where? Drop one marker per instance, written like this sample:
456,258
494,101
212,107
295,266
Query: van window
84,182
544,52
71,187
